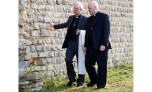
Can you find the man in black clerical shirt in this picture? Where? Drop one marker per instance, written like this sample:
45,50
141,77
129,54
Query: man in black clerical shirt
74,24
97,45
73,28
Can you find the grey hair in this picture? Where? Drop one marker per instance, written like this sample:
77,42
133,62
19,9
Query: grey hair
95,4
81,6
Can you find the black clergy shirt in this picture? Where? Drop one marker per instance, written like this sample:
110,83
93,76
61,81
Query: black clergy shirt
73,28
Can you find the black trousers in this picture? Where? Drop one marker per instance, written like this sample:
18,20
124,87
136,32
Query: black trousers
71,51
93,56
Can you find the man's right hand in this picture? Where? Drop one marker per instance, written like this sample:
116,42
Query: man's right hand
77,32
52,28
51,25
84,49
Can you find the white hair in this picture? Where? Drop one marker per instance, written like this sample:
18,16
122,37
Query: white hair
81,6
94,3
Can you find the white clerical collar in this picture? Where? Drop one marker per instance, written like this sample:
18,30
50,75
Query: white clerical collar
77,16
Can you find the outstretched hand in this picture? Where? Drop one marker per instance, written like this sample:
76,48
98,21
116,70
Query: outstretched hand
52,25
52,28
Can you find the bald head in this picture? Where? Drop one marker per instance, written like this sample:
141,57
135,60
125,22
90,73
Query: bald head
93,7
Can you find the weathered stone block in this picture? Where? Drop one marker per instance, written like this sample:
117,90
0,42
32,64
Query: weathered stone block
37,68
48,60
42,62
48,48
27,56
43,54
54,20
36,26
40,41
27,49
40,19
35,19
32,48
48,40
34,55
48,7
49,67
46,19
51,54
32,69
36,33
44,48
28,42
44,32
34,6
34,42
30,26
26,35
43,68
38,48
41,7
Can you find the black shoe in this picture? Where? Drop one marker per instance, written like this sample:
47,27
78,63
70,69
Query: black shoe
79,85
100,86
91,84
70,83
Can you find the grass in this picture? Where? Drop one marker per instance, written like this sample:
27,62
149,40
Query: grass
119,79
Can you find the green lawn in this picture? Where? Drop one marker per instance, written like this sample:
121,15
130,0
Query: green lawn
119,79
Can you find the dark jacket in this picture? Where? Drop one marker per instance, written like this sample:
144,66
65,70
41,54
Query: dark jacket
81,26
100,31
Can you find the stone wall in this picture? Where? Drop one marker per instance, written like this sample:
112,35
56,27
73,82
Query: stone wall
42,47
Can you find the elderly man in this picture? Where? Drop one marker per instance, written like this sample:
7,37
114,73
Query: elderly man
97,45
74,24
